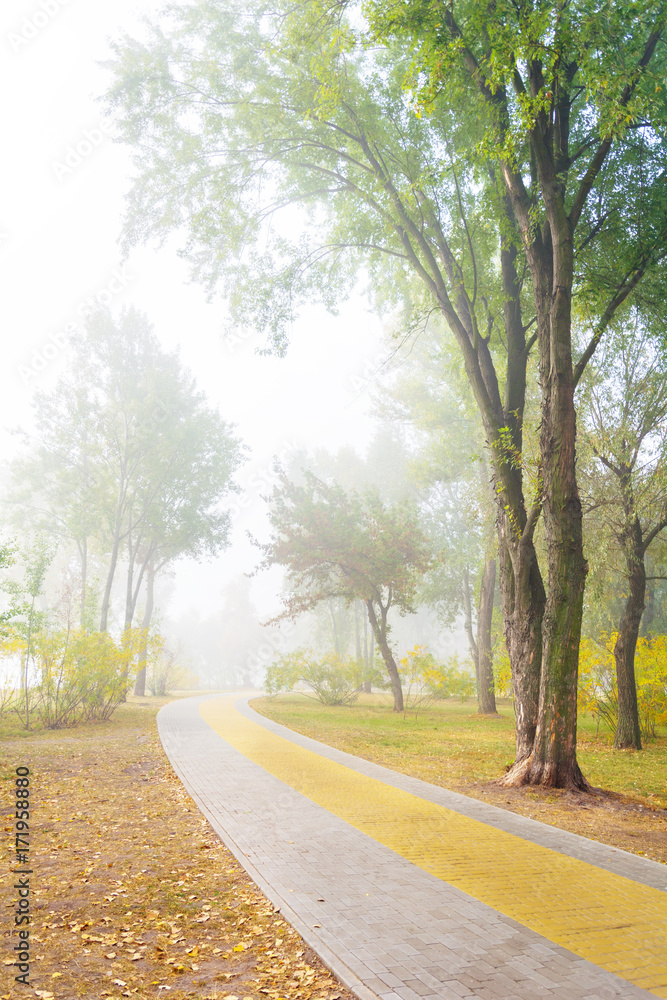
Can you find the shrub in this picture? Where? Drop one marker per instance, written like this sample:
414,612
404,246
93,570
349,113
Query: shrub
597,692
419,675
333,680
164,673
425,680
77,676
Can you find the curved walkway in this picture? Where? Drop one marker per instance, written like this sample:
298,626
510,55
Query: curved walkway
407,890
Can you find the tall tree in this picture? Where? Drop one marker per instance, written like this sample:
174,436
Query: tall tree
569,97
128,457
489,197
313,121
338,544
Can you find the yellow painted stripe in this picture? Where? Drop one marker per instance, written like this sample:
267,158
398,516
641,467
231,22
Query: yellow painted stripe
610,920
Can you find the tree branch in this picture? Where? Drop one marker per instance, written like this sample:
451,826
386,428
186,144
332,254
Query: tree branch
602,151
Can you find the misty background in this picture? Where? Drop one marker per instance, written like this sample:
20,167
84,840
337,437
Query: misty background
59,232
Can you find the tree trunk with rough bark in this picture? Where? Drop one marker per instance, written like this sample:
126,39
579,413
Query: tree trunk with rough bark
628,731
380,632
480,646
486,695
523,600
553,760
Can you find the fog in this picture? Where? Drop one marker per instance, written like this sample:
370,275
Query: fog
59,235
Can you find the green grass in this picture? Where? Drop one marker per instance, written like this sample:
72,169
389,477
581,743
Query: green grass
451,745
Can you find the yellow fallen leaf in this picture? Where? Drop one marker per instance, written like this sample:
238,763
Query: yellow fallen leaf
238,947
110,954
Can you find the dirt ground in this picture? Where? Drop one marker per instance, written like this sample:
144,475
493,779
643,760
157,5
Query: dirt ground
133,893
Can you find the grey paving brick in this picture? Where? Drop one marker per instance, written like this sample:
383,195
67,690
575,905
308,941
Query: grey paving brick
389,930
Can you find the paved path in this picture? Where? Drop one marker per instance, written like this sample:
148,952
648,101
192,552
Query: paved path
409,891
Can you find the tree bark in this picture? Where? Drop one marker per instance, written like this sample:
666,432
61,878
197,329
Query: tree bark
553,761
649,610
140,683
380,632
523,600
106,598
480,647
628,731
486,695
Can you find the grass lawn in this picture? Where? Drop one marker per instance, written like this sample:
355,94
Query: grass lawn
133,893
452,746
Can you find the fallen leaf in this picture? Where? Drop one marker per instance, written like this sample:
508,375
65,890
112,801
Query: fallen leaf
119,982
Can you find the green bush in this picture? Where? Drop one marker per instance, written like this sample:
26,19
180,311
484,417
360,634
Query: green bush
332,679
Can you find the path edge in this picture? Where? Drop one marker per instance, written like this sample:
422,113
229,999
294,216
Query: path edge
340,970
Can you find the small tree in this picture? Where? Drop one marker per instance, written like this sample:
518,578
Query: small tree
349,545
625,397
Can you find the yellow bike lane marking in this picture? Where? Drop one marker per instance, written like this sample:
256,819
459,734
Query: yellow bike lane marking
611,921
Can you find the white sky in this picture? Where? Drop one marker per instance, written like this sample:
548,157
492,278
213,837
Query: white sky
58,246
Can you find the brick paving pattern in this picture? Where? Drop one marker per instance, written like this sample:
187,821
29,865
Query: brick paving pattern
388,928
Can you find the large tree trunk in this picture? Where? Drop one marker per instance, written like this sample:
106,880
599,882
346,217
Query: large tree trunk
553,760
523,600
486,695
628,732
380,632
140,683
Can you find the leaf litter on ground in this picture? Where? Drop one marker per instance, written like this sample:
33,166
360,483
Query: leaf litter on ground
133,893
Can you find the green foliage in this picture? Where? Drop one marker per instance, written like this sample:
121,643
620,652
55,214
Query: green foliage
333,679
597,694
345,544
127,458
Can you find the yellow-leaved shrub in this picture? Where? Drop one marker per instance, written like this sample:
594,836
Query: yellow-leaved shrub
597,693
